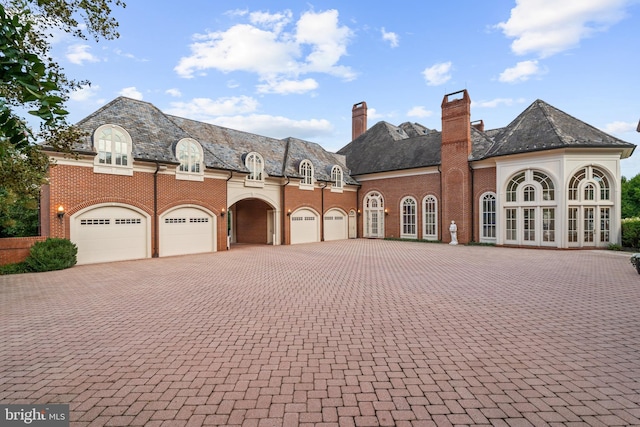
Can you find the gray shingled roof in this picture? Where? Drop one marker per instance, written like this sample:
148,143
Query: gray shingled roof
544,127
385,147
155,135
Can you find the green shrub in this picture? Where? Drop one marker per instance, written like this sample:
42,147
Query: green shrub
631,233
52,254
17,268
614,247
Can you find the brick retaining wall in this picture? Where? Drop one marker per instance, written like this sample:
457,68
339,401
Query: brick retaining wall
16,249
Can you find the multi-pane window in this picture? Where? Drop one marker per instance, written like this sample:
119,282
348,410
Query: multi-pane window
189,154
373,215
255,164
408,217
590,207
430,209
488,213
306,170
336,176
113,146
529,209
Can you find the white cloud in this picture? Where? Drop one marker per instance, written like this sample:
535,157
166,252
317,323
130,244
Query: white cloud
285,87
85,93
392,38
618,127
79,54
131,92
315,44
277,126
372,114
493,103
205,109
521,72
438,74
419,111
547,27
173,92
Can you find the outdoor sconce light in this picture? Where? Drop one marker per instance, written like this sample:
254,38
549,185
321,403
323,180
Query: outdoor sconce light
60,211
289,212
222,212
386,212
359,212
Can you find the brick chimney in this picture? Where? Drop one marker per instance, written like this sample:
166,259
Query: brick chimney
478,124
358,119
456,177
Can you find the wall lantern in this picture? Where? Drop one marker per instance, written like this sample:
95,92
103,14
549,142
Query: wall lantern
359,212
60,211
386,212
222,212
289,212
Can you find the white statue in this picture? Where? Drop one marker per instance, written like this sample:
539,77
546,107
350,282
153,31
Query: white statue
453,228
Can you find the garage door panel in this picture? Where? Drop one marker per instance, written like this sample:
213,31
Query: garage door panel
336,225
304,227
110,233
186,231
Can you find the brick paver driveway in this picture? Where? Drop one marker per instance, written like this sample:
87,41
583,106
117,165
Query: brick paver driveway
357,332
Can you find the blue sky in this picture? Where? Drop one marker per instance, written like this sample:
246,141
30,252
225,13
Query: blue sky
285,68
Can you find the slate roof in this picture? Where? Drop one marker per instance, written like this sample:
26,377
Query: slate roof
385,147
155,135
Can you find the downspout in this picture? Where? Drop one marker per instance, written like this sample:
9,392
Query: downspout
440,204
155,212
357,210
226,201
284,213
322,211
473,220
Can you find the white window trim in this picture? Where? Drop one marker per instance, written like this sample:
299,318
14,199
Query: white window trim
426,236
113,169
337,185
413,235
481,224
249,181
304,185
188,175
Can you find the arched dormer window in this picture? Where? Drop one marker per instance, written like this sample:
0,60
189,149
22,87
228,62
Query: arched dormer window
255,164
189,154
336,178
113,145
306,170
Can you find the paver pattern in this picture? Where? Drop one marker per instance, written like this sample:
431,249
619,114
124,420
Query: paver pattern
347,333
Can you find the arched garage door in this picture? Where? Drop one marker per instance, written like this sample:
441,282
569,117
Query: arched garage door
110,233
336,225
305,226
187,230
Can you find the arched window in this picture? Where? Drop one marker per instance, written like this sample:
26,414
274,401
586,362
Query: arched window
255,164
488,217
113,145
306,170
408,218
430,223
189,154
373,215
590,208
336,177
529,210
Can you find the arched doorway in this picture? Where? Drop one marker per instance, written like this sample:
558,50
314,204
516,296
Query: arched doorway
252,221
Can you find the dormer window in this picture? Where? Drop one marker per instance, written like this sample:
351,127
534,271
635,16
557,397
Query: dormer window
336,178
306,170
189,154
255,164
113,145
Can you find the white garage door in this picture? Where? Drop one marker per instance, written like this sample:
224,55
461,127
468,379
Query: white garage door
186,230
305,227
336,225
110,233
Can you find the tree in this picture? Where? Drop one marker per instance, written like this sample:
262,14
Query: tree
630,197
30,79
